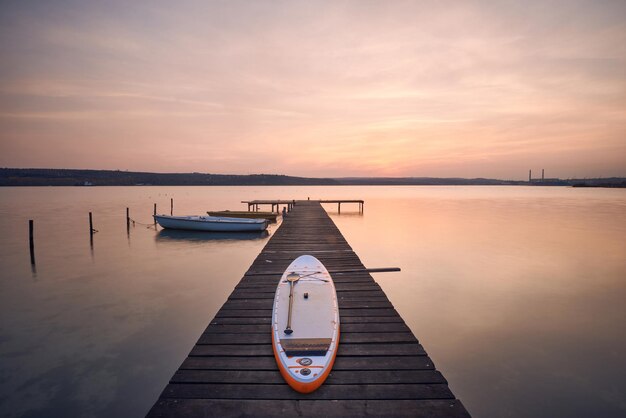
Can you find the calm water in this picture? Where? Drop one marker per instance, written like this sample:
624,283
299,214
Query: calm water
518,294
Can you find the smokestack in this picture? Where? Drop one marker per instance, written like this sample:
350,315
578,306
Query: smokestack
542,174
530,175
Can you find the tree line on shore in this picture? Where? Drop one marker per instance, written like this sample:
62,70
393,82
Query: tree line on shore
72,177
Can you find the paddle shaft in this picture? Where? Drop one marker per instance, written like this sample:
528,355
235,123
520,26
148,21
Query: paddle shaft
372,270
288,329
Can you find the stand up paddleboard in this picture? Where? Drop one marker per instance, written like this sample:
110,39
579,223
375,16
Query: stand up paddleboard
305,324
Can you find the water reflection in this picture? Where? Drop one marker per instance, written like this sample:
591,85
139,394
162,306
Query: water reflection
513,291
167,235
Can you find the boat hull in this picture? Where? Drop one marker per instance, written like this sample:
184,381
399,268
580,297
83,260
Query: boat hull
243,214
211,223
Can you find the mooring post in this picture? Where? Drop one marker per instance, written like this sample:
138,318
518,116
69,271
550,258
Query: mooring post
91,232
31,240
154,213
172,206
127,220
338,207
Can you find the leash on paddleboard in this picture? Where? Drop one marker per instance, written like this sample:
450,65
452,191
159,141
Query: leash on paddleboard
293,277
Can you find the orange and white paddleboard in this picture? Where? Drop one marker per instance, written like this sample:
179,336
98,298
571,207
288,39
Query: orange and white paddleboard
305,324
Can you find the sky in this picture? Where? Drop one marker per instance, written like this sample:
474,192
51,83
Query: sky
316,88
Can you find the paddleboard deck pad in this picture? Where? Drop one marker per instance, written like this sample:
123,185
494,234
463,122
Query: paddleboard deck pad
305,351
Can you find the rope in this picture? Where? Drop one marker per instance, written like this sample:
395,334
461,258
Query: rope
152,225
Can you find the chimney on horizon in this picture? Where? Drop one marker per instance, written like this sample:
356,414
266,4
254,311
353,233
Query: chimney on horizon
542,174
530,175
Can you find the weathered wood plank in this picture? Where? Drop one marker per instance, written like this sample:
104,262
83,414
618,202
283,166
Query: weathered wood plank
346,338
339,392
448,408
345,328
337,377
345,349
268,320
341,363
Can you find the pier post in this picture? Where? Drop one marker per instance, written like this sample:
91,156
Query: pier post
154,213
91,232
31,240
172,206
339,207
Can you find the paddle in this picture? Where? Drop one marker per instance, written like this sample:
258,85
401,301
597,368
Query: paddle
292,277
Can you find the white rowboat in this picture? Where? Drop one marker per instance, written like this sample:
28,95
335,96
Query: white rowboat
211,223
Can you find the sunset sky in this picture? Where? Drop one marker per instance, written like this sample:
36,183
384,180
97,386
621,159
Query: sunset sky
334,88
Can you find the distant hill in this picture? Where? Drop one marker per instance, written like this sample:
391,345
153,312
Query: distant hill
425,181
69,177
456,181
65,177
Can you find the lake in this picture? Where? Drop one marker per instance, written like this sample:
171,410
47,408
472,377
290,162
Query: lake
517,293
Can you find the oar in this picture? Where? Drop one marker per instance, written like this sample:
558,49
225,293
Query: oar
292,277
372,270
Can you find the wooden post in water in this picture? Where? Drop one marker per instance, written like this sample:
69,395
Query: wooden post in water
154,213
172,206
127,220
91,232
338,207
31,240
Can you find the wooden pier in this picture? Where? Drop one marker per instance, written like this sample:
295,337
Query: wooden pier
253,205
380,370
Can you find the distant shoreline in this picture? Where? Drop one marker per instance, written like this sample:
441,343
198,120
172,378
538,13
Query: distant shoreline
16,177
